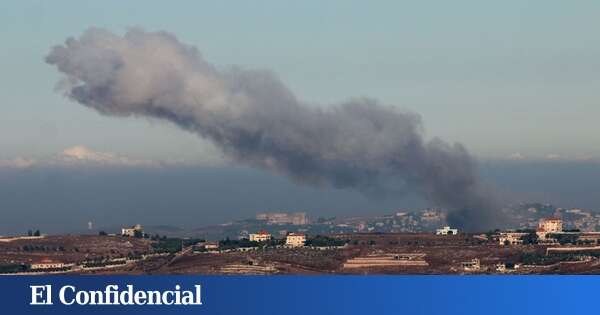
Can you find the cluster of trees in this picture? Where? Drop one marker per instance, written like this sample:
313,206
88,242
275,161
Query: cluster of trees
273,242
541,259
102,263
324,241
564,239
232,244
13,268
157,237
530,239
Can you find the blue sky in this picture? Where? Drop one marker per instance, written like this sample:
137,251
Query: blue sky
502,77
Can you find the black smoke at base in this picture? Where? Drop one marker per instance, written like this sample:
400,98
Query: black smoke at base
257,121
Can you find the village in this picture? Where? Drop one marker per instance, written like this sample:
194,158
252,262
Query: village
547,249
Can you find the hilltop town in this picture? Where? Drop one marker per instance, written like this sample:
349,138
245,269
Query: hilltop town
546,240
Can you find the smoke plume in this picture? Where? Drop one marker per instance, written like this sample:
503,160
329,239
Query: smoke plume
256,120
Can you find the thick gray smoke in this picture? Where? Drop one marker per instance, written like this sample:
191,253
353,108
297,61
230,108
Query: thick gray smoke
256,120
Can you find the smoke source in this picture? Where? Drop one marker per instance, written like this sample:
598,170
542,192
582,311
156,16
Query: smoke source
256,120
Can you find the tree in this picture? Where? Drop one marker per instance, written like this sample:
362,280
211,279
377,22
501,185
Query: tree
30,233
530,239
102,233
37,233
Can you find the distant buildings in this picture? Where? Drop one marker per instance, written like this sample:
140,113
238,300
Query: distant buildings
132,231
431,215
295,240
446,230
261,236
297,218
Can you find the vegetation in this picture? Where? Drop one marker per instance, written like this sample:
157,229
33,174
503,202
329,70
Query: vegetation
275,242
12,268
173,245
324,241
564,239
541,259
530,239
233,244
103,263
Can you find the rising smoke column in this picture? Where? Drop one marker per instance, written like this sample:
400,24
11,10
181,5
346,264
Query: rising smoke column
257,121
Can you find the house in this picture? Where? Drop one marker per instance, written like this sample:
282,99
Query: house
132,231
261,236
507,267
511,238
500,267
446,230
295,240
548,226
551,225
472,265
203,247
211,245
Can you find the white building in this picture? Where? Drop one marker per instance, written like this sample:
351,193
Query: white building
295,240
261,236
446,230
131,231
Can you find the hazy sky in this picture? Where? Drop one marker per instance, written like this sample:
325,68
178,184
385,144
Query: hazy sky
501,77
